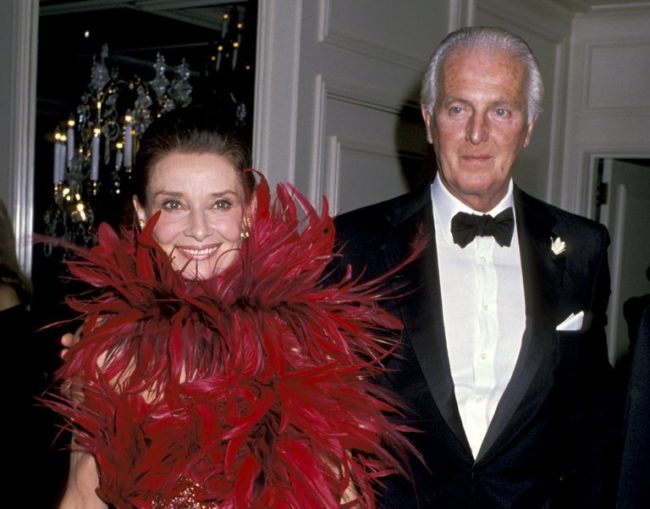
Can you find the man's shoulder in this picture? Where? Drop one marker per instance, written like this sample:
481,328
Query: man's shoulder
383,215
363,235
560,216
569,226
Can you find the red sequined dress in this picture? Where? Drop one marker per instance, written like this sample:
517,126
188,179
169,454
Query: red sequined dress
253,389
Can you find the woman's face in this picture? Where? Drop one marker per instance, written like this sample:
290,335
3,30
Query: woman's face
202,205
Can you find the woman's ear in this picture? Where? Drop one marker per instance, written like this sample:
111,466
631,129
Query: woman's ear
251,208
139,210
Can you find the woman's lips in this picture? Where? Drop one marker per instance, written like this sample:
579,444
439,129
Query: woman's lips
198,253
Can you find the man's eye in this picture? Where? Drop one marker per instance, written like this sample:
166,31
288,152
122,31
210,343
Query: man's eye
455,110
502,112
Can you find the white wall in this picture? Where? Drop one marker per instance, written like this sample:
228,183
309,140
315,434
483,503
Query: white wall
608,108
339,88
335,77
608,115
18,39
595,70
6,50
546,28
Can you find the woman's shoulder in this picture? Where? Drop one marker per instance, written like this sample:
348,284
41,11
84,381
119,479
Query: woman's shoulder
8,297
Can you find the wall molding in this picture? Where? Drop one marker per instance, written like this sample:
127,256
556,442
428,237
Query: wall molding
356,95
329,35
461,13
618,9
593,131
552,24
558,121
276,89
317,181
533,18
591,46
588,154
367,97
23,119
336,145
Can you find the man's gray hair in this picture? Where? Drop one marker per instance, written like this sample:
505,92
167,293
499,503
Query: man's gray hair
488,38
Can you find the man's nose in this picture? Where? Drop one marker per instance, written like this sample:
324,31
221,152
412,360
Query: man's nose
478,129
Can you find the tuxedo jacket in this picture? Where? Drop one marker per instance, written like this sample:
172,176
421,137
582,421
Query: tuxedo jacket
548,444
634,489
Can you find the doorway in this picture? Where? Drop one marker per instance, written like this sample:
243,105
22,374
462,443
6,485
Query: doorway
623,205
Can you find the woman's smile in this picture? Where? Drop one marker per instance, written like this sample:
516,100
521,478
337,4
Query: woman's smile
201,202
198,253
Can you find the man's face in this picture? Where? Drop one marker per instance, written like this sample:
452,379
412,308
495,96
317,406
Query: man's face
479,124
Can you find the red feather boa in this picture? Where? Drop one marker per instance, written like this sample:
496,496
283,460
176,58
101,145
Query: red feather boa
253,389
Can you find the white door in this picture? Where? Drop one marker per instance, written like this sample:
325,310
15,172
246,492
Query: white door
337,99
627,216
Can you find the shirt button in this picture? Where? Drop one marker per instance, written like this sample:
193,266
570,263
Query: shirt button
485,307
482,259
483,356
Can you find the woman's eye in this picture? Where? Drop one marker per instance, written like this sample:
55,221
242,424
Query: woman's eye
222,204
171,205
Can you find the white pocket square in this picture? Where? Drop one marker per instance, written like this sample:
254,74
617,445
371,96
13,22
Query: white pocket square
573,322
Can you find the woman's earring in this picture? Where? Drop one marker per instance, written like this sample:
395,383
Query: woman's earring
245,228
141,224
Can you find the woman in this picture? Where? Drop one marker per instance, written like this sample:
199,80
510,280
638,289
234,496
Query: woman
15,290
214,371
24,373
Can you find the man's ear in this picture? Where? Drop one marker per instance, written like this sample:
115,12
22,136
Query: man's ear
529,131
428,119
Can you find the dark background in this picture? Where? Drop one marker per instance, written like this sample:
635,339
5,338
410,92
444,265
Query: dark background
66,53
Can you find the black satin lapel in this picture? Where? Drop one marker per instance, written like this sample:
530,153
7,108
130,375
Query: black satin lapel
531,380
423,321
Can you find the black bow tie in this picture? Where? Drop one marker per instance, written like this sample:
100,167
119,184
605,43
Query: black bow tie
464,227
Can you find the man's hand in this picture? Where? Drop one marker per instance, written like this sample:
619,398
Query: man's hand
69,339
69,387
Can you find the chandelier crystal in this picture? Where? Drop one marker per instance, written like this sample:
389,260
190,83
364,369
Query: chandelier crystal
95,147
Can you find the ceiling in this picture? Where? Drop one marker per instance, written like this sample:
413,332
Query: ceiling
614,2
61,6
596,5
204,13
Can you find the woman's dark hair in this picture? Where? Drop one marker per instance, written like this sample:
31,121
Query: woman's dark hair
190,131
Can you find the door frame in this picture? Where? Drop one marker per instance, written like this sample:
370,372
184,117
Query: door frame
592,159
22,119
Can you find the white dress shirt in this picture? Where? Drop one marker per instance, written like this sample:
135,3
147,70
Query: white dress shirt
484,312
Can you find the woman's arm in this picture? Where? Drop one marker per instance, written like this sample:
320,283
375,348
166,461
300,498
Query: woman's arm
82,482
83,478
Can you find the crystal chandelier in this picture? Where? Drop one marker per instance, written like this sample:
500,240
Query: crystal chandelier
95,147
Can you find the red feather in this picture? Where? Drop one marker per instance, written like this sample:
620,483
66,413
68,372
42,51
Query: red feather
251,389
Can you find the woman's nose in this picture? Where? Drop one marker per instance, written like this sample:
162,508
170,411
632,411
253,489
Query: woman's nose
199,228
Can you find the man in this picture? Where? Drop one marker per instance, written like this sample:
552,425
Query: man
503,366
